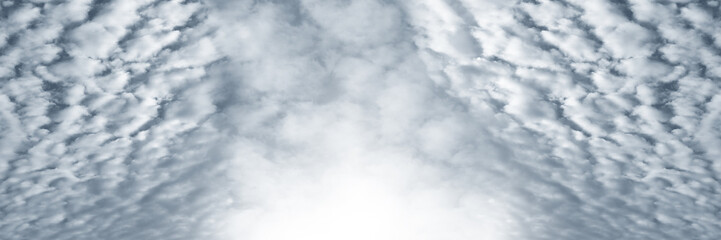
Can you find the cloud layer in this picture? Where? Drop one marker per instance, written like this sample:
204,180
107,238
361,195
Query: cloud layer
311,119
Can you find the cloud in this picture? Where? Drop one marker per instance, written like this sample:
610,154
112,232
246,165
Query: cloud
359,119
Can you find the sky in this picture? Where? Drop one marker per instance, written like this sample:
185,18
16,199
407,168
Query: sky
360,119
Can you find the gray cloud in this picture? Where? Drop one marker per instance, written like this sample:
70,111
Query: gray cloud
315,119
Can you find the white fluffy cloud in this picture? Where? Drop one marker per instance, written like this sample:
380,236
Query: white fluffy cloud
313,119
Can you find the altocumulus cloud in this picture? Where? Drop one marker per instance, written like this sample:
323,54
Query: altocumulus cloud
374,119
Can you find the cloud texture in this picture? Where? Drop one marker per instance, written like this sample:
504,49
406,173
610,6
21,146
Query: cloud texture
313,119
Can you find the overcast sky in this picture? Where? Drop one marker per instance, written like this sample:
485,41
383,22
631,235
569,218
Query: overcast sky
360,120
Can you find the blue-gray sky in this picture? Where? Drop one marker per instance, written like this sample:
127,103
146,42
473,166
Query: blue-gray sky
360,119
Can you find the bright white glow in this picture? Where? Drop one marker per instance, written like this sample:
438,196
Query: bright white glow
354,205
352,209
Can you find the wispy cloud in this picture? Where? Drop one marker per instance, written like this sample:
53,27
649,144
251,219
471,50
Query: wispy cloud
309,119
